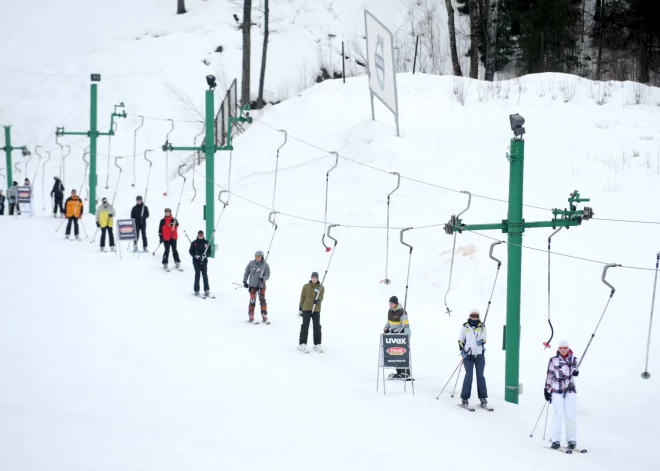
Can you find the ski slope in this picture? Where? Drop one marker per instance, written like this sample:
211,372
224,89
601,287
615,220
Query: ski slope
109,363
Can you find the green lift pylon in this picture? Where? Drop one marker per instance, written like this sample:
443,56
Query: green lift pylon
209,148
8,150
93,134
514,226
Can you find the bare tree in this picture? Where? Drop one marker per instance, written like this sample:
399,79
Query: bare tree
264,53
180,7
452,39
474,39
491,11
247,24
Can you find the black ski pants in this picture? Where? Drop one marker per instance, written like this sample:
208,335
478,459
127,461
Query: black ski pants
11,208
304,327
110,233
73,220
175,255
200,269
141,229
472,362
58,201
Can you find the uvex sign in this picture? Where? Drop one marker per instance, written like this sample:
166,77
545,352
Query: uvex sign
398,341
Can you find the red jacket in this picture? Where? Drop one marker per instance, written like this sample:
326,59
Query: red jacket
165,229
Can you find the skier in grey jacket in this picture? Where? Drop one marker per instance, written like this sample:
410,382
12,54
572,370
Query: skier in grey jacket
256,274
12,196
471,342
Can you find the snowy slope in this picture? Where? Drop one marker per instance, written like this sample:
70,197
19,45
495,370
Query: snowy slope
111,364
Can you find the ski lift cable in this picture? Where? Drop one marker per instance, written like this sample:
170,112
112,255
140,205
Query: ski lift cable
135,147
36,170
43,180
107,176
167,159
175,220
277,163
82,185
195,159
271,220
387,281
499,265
646,374
453,250
405,299
552,330
215,228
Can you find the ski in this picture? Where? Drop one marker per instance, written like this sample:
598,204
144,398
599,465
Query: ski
166,269
489,409
567,451
465,407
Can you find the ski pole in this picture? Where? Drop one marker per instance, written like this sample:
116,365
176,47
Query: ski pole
457,378
58,227
83,226
157,249
453,250
537,420
646,374
452,375
545,428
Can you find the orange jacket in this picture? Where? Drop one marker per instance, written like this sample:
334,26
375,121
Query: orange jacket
74,207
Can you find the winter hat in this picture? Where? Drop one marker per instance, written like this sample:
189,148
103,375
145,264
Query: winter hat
315,274
259,253
474,311
104,200
563,343
200,232
15,183
394,300
168,209
138,198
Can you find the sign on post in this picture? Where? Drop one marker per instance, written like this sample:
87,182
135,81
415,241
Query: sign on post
24,195
126,229
394,352
380,66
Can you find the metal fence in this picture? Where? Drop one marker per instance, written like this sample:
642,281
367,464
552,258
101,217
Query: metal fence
228,108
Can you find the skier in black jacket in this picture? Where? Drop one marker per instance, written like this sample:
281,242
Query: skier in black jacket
199,250
57,193
140,213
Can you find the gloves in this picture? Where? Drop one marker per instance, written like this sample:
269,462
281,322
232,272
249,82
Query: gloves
480,343
386,330
245,285
316,290
463,354
316,301
548,395
576,372
110,215
299,312
98,225
197,257
161,238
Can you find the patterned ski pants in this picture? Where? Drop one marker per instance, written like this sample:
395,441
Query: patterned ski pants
262,302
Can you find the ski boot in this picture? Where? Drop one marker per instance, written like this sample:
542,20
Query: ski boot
77,237
484,403
196,293
102,249
555,445
178,265
318,348
465,403
66,237
165,267
207,293
113,249
572,445
302,347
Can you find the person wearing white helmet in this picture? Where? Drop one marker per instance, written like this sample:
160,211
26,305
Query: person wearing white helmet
560,392
471,342
256,274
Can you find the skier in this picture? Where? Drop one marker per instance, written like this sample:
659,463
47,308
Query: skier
73,212
168,234
471,342
256,274
397,322
29,185
140,213
12,194
310,309
199,252
2,203
105,214
560,392
57,193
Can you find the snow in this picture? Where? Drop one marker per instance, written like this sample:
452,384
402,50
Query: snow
109,363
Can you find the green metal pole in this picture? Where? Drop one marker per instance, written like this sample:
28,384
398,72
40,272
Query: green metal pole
8,150
515,219
93,135
209,214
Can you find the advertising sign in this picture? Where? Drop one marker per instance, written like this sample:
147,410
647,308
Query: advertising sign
24,195
396,351
126,229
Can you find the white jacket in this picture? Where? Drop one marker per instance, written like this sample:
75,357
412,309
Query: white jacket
472,339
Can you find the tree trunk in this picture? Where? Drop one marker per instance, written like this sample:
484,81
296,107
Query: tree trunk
474,39
264,54
644,53
180,7
599,18
247,24
597,12
492,11
452,39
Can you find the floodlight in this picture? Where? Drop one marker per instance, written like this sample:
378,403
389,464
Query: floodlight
210,80
96,77
517,123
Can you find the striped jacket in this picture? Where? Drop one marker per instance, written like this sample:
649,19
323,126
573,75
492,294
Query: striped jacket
397,320
560,373
472,338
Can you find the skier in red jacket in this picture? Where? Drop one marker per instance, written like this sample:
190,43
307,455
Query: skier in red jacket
168,234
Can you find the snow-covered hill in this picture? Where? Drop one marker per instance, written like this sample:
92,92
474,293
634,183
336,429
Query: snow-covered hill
109,363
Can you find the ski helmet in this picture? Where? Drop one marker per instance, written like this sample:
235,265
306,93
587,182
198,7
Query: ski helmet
259,253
